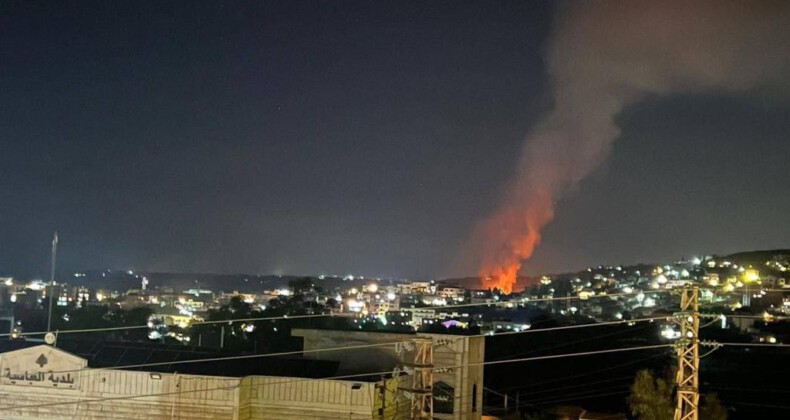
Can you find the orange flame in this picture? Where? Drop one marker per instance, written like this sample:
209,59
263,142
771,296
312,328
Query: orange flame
511,236
603,59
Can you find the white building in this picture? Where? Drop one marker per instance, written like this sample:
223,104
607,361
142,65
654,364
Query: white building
419,314
46,382
452,293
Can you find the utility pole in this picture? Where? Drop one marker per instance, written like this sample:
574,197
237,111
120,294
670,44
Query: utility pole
383,394
52,278
688,356
421,370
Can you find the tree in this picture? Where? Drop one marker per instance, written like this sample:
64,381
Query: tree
231,334
301,285
238,308
332,303
652,399
711,408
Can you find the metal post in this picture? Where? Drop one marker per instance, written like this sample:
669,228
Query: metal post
518,404
688,356
52,279
424,379
383,408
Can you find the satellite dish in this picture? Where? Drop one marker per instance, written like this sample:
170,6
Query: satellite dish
49,338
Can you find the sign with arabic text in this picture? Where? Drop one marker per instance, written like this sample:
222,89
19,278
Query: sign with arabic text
42,366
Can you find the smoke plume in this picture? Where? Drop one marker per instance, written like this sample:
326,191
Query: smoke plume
603,57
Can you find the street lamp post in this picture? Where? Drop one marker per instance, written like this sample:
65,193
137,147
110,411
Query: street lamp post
52,279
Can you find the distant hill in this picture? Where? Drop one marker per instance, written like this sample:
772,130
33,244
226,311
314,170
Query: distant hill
758,257
475,283
255,283
243,283
745,258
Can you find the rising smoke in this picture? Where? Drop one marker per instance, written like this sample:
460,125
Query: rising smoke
604,56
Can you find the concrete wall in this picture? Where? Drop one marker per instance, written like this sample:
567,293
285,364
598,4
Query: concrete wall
46,383
463,356
265,397
371,359
64,388
173,397
58,385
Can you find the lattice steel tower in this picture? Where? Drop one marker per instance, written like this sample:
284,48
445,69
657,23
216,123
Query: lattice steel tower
420,390
688,356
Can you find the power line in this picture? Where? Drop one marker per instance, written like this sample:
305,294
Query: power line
572,327
597,337
297,352
128,397
617,350
573,376
587,373
755,344
715,320
764,317
561,388
783,407
557,356
493,391
573,397
596,392
241,357
730,388
710,352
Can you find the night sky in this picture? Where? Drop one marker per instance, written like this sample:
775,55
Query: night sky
342,137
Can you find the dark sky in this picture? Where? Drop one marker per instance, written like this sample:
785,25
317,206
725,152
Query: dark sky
341,137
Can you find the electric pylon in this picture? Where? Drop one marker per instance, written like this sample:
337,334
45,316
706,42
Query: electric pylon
421,369
688,356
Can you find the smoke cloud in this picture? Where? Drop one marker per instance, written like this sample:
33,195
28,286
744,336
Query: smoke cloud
603,57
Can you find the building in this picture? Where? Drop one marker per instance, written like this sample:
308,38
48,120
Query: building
458,361
481,296
418,315
100,380
46,382
452,293
417,288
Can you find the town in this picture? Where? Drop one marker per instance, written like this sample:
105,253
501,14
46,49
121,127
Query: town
372,210
173,306
744,299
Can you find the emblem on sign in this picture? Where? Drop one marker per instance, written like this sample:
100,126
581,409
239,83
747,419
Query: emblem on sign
42,360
